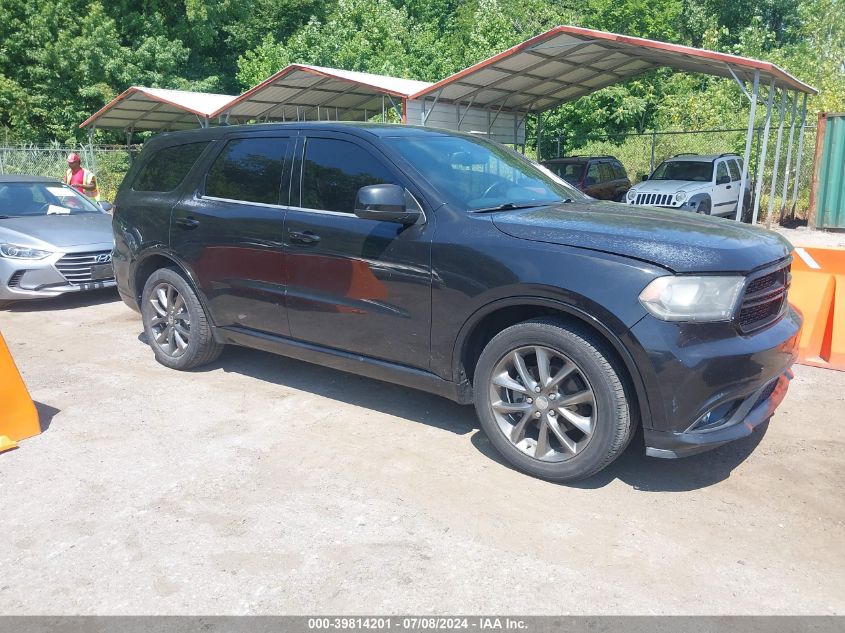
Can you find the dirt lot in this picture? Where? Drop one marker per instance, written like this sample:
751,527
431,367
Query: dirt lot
266,485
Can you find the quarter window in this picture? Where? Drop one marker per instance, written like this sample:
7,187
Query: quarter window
250,170
334,171
168,167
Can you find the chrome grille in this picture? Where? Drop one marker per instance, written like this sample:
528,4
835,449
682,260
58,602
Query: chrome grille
765,299
655,199
76,267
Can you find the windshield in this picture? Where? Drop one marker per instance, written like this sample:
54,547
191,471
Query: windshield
684,170
26,199
570,172
478,174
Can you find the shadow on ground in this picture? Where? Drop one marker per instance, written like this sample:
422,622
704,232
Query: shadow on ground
69,301
46,413
633,467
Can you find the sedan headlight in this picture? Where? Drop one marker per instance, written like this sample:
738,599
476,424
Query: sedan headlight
680,196
690,298
12,251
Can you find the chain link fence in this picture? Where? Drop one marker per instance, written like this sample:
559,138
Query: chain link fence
641,153
108,162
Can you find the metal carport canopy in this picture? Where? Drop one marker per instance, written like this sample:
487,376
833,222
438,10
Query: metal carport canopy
157,109
302,91
568,62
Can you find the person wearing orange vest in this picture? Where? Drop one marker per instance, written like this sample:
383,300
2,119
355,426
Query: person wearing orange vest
84,181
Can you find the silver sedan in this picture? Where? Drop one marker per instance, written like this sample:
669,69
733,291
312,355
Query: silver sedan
53,240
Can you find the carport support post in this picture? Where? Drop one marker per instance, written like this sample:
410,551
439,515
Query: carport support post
782,114
539,134
749,135
797,175
761,163
786,168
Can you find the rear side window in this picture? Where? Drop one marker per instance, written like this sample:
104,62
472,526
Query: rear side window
593,174
734,168
607,172
249,169
168,167
619,170
334,170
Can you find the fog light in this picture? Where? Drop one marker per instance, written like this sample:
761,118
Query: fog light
716,417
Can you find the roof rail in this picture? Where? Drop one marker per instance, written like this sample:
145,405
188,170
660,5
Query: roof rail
685,154
728,154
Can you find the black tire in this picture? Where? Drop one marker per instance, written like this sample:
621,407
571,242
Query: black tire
201,347
614,421
704,206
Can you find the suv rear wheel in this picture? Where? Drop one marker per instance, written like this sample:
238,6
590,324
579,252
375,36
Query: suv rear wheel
175,323
551,399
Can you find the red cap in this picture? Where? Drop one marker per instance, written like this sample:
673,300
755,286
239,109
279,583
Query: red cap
73,157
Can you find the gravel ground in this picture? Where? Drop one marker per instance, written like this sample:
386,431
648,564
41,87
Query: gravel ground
802,236
270,486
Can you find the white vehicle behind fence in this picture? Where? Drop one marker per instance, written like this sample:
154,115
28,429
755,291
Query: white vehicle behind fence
706,184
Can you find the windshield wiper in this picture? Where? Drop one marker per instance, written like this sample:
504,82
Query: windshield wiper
4,217
510,206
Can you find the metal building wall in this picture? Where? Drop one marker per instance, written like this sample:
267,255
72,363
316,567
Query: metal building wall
504,127
827,203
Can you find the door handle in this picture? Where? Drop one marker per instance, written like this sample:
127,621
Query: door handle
188,223
728,187
304,237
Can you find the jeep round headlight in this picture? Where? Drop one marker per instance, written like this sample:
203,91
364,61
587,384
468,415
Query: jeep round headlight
12,251
680,196
631,195
692,298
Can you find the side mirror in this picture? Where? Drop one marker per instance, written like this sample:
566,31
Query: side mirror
724,180
387,203
108,207
644,177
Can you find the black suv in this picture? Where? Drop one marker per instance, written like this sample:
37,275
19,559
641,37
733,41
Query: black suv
601,177
451,264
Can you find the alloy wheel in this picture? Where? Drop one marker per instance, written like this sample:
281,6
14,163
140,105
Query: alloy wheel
171,324
543,403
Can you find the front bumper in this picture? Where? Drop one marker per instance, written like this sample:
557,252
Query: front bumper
57,274
753,411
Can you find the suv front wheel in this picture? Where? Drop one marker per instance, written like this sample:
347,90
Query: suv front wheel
550,397
175,323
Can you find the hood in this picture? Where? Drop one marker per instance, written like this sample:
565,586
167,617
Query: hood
670,186
57,231
678,240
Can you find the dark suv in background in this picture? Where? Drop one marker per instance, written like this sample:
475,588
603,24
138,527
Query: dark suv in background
451,264
601,177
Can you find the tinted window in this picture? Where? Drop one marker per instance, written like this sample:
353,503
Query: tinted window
721,171
571,172
735,172
248,169
168,167
607,172
593,174
334,171
619,170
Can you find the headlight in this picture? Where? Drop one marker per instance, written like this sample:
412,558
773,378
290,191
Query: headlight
680,196
688,298
22,252
631,195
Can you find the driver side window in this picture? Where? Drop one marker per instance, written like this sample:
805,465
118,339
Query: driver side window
721,172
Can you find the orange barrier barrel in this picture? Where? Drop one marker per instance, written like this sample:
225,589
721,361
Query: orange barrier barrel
818,291
18,416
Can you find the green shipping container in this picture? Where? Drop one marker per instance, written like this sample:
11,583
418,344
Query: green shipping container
828,199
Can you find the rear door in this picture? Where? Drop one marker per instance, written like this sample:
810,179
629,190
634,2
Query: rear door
228,230
361,286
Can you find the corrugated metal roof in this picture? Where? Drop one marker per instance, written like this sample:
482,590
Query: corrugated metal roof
157,109
568,62
299,90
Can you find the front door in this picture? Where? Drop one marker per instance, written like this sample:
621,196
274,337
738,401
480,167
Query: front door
229,232
724,191
361,286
